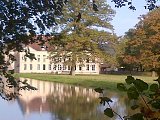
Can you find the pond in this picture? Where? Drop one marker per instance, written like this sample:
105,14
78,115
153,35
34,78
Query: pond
55,101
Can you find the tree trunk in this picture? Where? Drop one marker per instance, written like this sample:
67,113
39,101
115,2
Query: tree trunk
141,68
153,73
72,72
130,69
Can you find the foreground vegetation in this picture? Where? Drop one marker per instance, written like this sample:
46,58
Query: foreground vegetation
142,96
94,81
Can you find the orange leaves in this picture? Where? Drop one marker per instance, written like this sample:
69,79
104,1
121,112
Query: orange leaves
144,41
130,59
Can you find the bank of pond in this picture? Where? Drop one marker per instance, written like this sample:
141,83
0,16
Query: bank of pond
107,82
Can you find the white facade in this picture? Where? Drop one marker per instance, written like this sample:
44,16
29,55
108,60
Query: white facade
43,64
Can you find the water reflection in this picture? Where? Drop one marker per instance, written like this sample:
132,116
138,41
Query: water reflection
55,101
78,104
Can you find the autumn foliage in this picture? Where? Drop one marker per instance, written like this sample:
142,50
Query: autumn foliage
143,46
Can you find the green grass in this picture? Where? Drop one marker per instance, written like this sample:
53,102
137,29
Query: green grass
103,81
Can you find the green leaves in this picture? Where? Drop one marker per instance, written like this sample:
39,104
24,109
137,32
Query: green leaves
137,116
108,112
153,87
77,39
104,100
99,90
132,93
140,85
136,86
129,80
156,104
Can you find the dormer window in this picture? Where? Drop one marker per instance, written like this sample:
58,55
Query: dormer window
44,47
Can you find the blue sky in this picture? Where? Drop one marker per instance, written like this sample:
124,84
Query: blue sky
126,18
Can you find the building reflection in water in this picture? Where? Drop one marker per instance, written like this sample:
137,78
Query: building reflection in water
67,102
42,100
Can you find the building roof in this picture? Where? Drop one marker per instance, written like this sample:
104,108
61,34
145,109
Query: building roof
41,44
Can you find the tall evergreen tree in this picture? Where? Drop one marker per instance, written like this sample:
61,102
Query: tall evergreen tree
81,37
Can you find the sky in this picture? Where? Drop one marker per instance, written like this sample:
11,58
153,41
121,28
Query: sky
126,18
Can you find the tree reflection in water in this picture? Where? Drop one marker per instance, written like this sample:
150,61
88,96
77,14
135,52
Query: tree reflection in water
77,106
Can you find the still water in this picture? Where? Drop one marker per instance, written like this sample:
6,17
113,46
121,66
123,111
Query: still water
55,101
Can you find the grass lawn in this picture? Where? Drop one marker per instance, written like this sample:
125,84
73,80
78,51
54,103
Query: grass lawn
103,81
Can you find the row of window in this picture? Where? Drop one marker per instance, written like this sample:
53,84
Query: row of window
38,58
55,59
57,67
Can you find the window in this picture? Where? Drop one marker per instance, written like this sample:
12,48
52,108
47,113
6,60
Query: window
69,67
25,66
25,58
93,67
55,59
64,67
49,67
43,47
44,67
87,67
59,59
38,58
55,67
38,66
80,67
30,66
59,67
44,58
75,67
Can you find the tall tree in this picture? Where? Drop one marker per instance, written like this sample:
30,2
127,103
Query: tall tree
144,41
17,28
79,39
129,58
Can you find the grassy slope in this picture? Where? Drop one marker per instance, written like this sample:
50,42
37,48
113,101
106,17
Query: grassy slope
103,81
